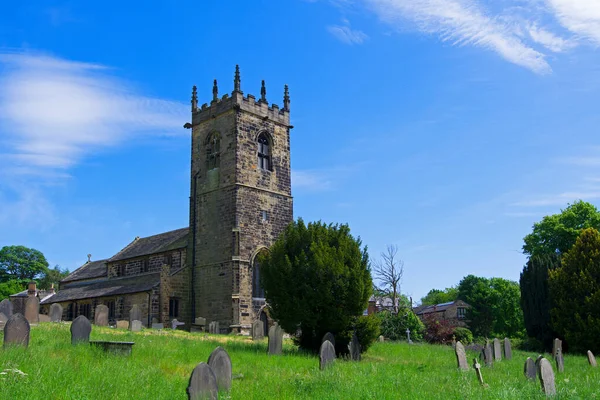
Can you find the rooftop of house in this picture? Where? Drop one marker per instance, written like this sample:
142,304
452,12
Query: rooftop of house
89,270
438,307
160,243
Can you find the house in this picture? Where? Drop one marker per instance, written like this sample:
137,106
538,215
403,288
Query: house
454,311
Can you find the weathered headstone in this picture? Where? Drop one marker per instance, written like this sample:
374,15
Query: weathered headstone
497,350
461,356
560,361
556,344
507,349
6,308
158,325
101,315
381,338
32,309
258,330
546,377
3,318
80,330
591,359
488,356
326,354
136,326
56,312
175,324
408,336
275,339
529,369
354,348
43,318
135,314
477,367
328,336
213,327
220,363
16,331
122,324
203,383
200,321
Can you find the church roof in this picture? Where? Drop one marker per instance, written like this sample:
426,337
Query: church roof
109,287
153,244
89,270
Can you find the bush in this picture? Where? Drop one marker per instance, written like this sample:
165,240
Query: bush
463,335
367,330
436,330
393,326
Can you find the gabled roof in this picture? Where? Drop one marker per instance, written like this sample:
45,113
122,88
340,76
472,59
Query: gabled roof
89,270
440,307
153,244
109,287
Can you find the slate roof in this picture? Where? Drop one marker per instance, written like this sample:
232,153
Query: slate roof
436,308
89,270
109,287
153,244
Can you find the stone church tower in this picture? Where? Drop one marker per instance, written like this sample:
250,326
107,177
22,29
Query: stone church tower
240,201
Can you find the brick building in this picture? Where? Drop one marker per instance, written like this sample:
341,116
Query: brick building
454,311
240,202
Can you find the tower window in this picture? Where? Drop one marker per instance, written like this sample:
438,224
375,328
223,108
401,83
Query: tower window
264,216
264,152
173,307
213,151
257,290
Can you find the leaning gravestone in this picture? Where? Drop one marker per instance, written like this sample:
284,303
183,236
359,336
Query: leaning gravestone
326,354
591,359
56,312
560,361
275,339
547,377
16,331
136,326
80,330
328,336
32,309
354,348
497,350
6,308
101,315
461,356
507,349
220,363
203,383
529,369
258,330
135,313
477,367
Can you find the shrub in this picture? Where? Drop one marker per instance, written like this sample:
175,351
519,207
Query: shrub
393,326
464,335
436,330
367,330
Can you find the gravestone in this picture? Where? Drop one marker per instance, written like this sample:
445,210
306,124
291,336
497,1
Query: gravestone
560,361
158,325
477,367
6,308
326,354
80,330
381,338
461,356
101,315
16,331
537,363
3,318
220,363
258,330
275,340
497,350
200,321
529,369
135,314
507,349
136,326
213,327
32,310
410,341
203,383
556,344
488,355
56,312
328,336
546,377
354,348
175,324
591,359
122,324
43,318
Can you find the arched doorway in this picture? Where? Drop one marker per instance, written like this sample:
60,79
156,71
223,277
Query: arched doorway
265,320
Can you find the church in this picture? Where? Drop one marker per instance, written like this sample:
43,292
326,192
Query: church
240,202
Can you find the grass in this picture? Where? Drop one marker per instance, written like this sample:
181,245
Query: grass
161,363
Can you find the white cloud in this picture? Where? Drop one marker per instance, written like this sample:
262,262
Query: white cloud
558,199
550,40
55,111
347,35
311,180
581,17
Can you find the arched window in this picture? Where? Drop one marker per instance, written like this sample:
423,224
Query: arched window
264,152
257,290
213,151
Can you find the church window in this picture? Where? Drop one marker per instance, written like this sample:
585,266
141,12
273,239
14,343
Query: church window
264,216
111,309
173,307
264,152
145,265
213,151
85,310
258,292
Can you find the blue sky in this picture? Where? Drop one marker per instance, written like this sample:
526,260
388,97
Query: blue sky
445,127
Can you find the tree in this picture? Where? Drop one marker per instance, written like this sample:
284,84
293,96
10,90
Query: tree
535,299
317,280
557,233
52,277
11,287
575,292
20,262
388,271
436,296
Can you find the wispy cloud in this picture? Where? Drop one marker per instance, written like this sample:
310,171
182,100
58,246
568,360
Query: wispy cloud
581,17
54,111
311,180
559,199
345,34
550,40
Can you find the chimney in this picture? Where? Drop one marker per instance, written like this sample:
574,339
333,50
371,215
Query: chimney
31,289
51,290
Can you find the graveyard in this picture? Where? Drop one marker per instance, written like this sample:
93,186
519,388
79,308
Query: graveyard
161,362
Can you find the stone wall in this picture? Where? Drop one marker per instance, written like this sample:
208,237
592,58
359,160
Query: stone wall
146,264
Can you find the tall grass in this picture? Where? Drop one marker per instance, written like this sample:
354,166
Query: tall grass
162,361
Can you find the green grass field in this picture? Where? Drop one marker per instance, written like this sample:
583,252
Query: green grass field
161,363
